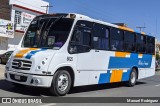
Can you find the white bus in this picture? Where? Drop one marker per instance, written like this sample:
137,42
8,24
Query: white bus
60,51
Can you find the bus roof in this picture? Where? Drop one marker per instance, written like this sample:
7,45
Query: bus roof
84,17
106,23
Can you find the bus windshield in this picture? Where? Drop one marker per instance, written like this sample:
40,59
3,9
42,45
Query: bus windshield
50,33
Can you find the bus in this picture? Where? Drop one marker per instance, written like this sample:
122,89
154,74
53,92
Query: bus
64,50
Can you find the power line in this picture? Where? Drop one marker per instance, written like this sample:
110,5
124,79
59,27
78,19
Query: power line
118,18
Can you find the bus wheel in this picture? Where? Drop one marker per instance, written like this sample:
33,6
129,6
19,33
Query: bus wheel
133,78
61,83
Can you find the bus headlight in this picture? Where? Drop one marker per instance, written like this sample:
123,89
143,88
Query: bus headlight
43,64
39,67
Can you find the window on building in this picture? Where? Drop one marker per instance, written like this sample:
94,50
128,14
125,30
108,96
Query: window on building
129,42
101,37
17,17
116,42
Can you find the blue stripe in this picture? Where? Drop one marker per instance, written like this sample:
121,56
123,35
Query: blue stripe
125,62
29,55
126,75
129,62
104,78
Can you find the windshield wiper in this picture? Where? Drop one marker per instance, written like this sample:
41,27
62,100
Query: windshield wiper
54,22
46,31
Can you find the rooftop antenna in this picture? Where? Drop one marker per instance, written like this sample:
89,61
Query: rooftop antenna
47,7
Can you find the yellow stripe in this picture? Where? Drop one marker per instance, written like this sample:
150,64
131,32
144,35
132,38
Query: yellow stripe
143,33
140,55
116,76
121,54
21,53
125,28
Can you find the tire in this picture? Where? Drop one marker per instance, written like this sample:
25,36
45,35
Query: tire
18,85
133,78
59,78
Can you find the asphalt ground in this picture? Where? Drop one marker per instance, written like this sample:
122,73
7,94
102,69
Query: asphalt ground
148,87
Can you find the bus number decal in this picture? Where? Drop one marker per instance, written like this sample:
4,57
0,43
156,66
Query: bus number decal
69,58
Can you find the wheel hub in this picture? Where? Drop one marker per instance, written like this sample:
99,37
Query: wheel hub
133,77
63,82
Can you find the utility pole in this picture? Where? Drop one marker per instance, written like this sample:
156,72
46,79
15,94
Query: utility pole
156,26
141,28
47,7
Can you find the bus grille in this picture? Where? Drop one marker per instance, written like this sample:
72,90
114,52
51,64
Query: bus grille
21,64
22,78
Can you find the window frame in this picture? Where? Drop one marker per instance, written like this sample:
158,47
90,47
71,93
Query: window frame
75,29
129,41
17,18
100,37
121,40
153,38
117,39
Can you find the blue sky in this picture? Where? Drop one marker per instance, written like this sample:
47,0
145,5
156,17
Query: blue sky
132,12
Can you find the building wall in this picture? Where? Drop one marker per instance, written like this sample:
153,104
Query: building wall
31,4
31,8
5,14
16,39
5,10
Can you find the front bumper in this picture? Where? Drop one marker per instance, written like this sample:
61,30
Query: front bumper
29,79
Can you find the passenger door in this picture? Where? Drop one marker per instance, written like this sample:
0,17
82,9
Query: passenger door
91,49
80,44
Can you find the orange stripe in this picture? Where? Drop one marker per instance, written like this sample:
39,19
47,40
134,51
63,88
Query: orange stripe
125,28
116,75
143,33
21,53
140,54
121,54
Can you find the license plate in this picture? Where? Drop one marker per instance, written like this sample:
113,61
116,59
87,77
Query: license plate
17,77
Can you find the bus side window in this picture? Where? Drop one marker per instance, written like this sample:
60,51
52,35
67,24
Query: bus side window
129,42
116,42
80,41
141,43
150,45
101,37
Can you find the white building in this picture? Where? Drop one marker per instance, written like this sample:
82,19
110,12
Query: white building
21,14
6,32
